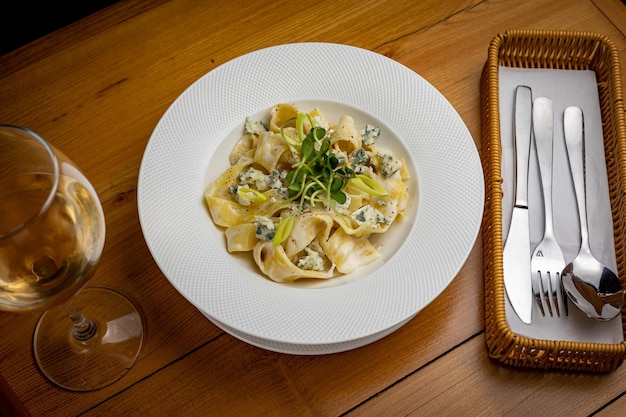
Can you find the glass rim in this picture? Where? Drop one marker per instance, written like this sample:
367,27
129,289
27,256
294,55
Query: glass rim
55,184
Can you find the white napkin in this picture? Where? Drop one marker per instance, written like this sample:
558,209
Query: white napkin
565,88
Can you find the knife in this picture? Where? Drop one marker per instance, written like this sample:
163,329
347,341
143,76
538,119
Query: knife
517,277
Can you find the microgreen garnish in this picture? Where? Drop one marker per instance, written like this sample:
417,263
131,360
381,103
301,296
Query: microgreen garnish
317,178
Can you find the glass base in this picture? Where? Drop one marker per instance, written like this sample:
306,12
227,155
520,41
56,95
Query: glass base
85,365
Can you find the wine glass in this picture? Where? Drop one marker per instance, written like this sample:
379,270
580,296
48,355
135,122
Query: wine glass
51,237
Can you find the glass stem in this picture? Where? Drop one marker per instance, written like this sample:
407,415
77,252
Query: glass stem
83,328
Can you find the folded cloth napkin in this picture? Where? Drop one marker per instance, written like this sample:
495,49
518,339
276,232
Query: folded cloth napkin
565,88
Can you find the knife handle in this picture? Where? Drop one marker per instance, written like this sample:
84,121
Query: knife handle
523,122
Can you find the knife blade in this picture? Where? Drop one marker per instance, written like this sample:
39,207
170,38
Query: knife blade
517,277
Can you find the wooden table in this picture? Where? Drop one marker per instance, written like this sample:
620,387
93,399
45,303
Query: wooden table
97,88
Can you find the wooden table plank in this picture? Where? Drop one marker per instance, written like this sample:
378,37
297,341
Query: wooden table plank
97,89
614,11
467,382
224,377
614,408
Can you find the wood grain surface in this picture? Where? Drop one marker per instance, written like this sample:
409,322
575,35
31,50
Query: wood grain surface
97,88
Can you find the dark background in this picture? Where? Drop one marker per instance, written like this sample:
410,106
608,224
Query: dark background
23,21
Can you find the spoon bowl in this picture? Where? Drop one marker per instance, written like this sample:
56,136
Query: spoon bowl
589,284
593,288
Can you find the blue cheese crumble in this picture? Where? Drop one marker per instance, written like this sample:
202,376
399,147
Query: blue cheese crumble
342,156
369,216
311,261
275,179
261,181
234,191
256,177
369,134
359,161
389,165
319,121
255,127
265,229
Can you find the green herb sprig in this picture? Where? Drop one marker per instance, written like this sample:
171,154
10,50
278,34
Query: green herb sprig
318,177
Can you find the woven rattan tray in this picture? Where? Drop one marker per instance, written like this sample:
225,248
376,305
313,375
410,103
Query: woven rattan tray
552,50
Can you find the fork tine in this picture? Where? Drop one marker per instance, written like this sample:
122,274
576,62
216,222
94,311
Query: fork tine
554,285
545,289
536,285
563,296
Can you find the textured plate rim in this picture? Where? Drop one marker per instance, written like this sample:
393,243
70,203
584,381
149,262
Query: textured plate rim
360,309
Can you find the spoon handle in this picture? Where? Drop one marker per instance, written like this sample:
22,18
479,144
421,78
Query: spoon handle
573,126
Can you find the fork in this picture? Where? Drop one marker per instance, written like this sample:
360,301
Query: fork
547,259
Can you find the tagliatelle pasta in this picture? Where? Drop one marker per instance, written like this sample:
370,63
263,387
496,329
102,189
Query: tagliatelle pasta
304,194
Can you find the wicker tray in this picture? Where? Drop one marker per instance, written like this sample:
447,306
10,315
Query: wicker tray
553,50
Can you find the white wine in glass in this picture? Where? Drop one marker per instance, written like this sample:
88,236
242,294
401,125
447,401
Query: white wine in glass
52,233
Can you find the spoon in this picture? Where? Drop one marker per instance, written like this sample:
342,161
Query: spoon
589,284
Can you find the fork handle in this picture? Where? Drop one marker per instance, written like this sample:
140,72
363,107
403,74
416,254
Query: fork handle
543,129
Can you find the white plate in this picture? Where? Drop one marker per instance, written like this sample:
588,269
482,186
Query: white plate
421,255
306,349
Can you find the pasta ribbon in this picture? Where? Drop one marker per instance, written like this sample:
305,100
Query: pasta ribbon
273,262
304,195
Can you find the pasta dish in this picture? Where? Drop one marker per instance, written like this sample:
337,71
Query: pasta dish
304,194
